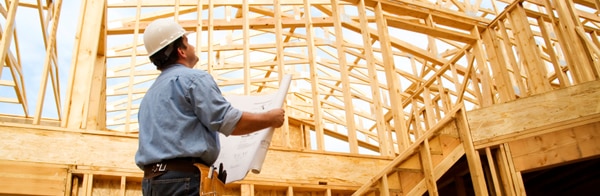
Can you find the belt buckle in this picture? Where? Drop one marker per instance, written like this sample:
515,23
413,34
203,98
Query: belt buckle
160,167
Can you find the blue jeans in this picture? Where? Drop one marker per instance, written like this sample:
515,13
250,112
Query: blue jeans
172,183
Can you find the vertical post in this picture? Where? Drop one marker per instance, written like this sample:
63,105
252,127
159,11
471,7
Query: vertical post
209,45
123,188
199,10
384,189
393,82
314,77
9,29
85,58
247,190
511,60
529,52
427,166
517,181
246,34
493,174
473,160
498,65
579,61
336,11
48,59
505,171
281,65
384,142
487,98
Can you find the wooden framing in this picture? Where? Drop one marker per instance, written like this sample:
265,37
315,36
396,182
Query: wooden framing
391,93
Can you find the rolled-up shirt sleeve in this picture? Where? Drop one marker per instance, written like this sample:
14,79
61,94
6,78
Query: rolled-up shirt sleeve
210,107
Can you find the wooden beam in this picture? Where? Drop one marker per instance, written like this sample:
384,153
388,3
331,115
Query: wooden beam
579,59
498,62
430,31
530,116
427,166
385,144
8,31
228,24
394,85
182,3
99,149
344,75
83,63
529,53
556,148
279,44
25,178
473,159
403,156
421,10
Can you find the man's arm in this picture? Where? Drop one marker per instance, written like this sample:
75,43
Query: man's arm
251,122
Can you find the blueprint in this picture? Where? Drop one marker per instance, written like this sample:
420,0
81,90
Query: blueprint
242,153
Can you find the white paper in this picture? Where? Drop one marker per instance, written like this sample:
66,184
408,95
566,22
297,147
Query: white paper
243,153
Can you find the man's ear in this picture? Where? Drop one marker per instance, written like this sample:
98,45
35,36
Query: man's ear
181,53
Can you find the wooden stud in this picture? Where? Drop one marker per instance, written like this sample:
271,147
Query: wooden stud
290,191
80,82
198,30
384,187
385,146
427,166
593,51
562,80
497,63
529,53
515,175
50,48
123,187
472,156
133,57
314,76
8,28
97,107
246,34
88,184
505,171
337,11
493,175
579,62
281,64
210,32
512,61
393,82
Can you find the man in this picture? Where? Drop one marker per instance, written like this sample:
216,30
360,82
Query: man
181,115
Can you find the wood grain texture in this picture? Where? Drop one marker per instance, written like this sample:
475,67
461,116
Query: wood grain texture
62,146
556,148
538,114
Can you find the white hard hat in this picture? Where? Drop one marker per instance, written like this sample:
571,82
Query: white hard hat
161,33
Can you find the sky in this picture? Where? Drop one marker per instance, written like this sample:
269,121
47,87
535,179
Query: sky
32,52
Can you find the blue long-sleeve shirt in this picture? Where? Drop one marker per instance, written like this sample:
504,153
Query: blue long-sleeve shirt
180,116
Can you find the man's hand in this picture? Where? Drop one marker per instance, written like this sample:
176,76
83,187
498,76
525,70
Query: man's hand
251,122
277,117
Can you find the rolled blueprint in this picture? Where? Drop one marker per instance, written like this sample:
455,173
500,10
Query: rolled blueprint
243,153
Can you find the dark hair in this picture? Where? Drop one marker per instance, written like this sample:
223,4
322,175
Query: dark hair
162,60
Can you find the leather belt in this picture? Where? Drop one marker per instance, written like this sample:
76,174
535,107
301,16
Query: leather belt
177,164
